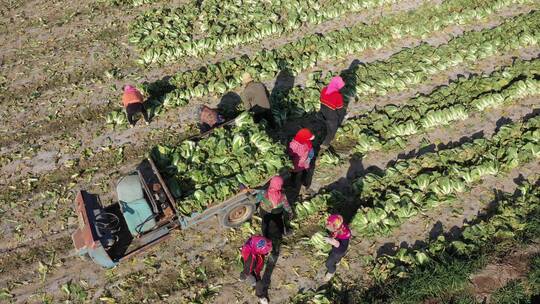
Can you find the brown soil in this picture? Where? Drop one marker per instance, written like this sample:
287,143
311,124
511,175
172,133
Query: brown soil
497,275
63,63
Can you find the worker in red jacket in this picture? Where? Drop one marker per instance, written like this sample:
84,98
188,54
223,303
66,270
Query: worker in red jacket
254,251
133,103
332,108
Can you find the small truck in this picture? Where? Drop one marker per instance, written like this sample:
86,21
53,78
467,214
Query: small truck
144,213
143,217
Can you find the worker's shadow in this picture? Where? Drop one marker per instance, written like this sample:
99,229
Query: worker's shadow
278,96
289,117
283,129
349,206
276,235
351,80
314,121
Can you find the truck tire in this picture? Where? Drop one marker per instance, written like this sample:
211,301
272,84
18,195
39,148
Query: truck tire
237,214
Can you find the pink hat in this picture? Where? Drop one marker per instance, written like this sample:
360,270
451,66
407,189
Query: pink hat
276,182
334,222
130,89
335,85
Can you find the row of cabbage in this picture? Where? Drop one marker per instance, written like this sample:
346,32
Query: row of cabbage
440,268
213,168
416,185
514,220
200,28
412,186
312,49
387,127
397,73
415,65
370,131
127,2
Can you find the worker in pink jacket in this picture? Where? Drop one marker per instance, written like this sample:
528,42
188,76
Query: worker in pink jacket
302,153
340,234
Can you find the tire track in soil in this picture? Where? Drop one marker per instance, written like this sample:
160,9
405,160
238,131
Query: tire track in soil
370,56
155,73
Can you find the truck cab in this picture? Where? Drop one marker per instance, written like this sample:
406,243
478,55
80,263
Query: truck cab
143,215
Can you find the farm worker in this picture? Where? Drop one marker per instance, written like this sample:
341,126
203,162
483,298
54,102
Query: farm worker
272,204
254,251
209,118
332,108
255,99
302,153
339,239
133,103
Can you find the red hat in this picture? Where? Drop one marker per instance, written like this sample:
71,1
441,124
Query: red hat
304,136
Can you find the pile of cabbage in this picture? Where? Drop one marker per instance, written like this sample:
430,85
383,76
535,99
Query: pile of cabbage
211,170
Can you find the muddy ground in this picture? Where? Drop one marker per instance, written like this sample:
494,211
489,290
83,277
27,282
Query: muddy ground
62,66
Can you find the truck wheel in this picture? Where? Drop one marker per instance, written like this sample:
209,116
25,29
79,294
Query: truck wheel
238,214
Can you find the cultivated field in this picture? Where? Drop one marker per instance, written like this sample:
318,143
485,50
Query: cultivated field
436,167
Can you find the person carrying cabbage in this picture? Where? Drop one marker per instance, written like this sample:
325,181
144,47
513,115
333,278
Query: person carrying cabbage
340,235
332,109
253,252
132,100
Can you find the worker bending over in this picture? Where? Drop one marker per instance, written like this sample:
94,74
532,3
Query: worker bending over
132,101
254,251
209,118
